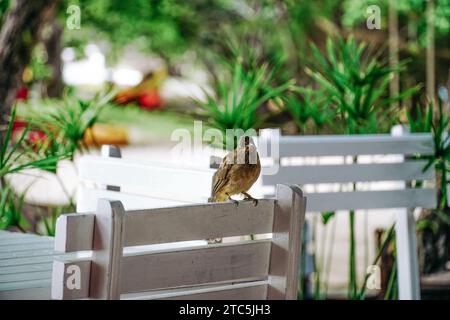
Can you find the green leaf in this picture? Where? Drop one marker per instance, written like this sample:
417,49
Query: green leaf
326,216
425,224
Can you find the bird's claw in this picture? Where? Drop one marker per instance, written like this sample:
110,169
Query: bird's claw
232,200
255,201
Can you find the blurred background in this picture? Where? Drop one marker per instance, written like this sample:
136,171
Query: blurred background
78,74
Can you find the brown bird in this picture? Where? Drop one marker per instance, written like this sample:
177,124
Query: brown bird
237,173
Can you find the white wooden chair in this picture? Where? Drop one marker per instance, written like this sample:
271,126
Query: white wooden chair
138,184
396,168
261,269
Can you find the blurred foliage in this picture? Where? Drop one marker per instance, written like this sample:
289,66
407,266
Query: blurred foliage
38,68
166,27
4,5
11,210
18,155
239,95
171,28
435,224
441,157
420,120
308,108
355,79
355,12
65,122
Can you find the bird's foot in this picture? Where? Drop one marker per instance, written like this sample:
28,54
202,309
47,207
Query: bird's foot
232,200
250,198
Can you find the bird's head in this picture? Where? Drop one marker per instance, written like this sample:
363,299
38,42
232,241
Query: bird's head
245,141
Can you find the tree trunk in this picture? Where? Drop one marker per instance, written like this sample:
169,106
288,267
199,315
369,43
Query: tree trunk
430,55
52,43
394,85
18,35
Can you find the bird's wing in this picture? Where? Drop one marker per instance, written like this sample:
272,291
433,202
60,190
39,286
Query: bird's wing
222,176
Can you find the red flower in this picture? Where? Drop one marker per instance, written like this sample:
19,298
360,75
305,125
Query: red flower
18,124
22,93
37,137
150,100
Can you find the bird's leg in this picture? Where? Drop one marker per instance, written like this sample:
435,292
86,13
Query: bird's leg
249,197
232,200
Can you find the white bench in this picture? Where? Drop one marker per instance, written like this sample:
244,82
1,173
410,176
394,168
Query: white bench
138,184
311,174
261,269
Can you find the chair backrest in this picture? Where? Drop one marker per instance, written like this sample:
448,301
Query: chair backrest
138,184
325,168
260,269
385,175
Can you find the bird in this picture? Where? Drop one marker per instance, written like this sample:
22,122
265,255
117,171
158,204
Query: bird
237,172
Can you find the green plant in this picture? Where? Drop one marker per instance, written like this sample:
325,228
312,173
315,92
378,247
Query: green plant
356,81
16,156
49,221
66,123
308,106
238,97
389,237
11,208
441,157
435,238
418,121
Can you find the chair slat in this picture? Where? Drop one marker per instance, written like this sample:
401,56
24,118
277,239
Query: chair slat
26,268
155,177
355,145
403,171
194,222
27,253
16,285
25,276
16,247
253,290
178,268
407,198
24,241
210,264
87,200
25,261
198,222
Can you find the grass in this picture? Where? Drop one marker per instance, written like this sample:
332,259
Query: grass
161,124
